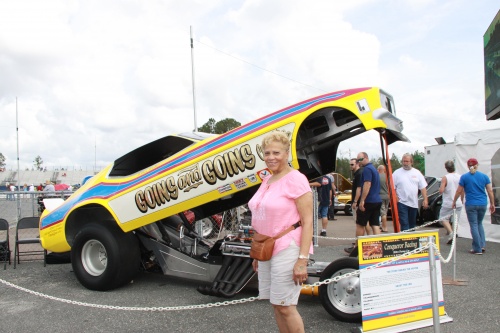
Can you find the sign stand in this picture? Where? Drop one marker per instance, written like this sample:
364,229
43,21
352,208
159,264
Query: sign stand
406,327
406,294
454,281
434,291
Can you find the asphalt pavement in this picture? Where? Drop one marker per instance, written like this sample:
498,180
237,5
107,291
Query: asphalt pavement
474,307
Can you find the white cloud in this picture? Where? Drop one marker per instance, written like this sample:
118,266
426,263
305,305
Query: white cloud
102,78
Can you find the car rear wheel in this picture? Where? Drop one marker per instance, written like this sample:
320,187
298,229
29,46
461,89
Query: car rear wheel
104,257
342,299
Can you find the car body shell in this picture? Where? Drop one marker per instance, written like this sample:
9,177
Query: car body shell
194,171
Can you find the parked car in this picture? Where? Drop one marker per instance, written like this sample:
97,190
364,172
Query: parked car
338,206
434,199
130,217
343,203
343,195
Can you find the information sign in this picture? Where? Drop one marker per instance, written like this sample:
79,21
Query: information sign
400,292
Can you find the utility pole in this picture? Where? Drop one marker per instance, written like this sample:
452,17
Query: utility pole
192,78
18,169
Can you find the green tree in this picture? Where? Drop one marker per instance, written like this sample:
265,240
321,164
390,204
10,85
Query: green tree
395,162
376,161
2,161
225,125
219,127
38,162
208,127
419,161
343,167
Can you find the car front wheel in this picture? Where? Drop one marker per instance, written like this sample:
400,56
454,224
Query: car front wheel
342,299
104,257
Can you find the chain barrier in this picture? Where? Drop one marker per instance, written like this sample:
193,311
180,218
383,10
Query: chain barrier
427,224
131,308
357,272
336,238
453,240
208,305
409,230
243,300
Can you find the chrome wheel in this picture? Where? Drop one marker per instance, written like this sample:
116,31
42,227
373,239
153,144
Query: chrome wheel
345,295
342,299
94,257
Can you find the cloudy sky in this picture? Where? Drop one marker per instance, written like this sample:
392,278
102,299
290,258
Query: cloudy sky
96,79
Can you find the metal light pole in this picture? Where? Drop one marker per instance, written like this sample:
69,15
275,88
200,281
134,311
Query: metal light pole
192,79
18,169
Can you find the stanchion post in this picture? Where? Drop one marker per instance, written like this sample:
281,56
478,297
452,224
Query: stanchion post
315,216
455,228
434,289
454,281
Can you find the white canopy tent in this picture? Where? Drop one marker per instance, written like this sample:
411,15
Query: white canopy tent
485,147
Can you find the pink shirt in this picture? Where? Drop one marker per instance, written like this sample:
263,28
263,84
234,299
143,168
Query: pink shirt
273,208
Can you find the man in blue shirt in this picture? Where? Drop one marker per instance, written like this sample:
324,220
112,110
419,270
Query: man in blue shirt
368,194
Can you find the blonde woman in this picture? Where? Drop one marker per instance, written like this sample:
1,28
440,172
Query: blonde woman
283,199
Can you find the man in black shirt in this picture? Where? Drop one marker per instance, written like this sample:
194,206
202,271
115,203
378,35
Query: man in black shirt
356,180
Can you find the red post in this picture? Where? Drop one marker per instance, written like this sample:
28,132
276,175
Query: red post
393,199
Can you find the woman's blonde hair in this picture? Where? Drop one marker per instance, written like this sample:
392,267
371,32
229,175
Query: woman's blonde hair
276,136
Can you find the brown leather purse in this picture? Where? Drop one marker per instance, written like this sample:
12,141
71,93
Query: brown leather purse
262,246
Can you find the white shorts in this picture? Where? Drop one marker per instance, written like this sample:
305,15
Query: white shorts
276,277
447,213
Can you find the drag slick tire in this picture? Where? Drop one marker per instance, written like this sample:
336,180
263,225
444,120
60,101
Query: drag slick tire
342,299
104,257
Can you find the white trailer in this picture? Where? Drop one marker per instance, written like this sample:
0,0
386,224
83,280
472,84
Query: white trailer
435,156
485,147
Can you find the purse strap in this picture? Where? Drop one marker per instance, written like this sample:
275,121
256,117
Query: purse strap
287,230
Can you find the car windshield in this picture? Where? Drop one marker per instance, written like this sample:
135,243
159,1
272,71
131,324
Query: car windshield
150,154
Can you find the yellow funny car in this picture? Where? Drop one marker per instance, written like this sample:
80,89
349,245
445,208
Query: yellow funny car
130,216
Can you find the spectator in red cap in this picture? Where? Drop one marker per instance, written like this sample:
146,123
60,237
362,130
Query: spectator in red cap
474,184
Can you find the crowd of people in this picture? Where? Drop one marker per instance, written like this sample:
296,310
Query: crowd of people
30,189
285,197
371,198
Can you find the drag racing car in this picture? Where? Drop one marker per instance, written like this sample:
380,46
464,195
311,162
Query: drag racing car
129,217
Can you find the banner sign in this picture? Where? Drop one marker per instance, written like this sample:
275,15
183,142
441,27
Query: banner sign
400,292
